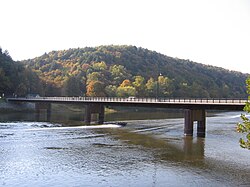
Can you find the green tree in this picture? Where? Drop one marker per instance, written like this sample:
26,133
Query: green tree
150,87
72,87
126,89
244,127
21,90
99,66
163,83
96,89
111,90
139,86
118,74
94,76
5,82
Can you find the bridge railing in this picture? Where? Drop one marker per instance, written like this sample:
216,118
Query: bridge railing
138,99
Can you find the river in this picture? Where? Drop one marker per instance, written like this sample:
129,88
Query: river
146,152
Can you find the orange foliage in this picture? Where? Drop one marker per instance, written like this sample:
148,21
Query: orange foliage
125,83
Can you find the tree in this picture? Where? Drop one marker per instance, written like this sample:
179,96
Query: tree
99,66
125,83
5,82
163,84
126,89
111,90
139,86
21,90
244,127
72,87
94,76
118,74
96,89
150,87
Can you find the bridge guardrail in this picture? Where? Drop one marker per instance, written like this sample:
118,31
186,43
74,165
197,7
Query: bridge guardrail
145,100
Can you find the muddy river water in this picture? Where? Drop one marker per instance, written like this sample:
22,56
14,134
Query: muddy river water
146,152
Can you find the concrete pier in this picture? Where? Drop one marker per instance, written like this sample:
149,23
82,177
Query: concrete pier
43,106
94,109
190,116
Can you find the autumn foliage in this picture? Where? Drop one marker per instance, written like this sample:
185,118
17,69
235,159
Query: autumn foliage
117,71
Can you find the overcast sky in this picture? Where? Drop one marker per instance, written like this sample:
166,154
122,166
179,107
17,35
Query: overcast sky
215,32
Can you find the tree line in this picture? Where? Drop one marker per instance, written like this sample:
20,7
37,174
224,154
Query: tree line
15,78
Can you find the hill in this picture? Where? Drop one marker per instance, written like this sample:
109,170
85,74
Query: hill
132,71
15,79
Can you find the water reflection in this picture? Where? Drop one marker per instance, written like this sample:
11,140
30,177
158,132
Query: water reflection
169,149
185,152
193,148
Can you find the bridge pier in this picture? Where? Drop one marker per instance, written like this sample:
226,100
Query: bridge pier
195,115
43,106
94,109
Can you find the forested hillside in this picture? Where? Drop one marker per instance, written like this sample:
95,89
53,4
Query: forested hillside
130,71
15,79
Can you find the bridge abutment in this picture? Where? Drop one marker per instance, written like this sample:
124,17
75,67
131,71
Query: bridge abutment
192,115
94,109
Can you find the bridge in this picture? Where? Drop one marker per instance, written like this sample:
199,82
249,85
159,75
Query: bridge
194,109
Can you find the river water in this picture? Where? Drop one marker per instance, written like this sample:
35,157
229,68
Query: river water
152,152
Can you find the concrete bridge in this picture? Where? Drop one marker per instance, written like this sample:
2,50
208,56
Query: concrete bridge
194,109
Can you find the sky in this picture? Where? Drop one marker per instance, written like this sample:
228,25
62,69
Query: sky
211,32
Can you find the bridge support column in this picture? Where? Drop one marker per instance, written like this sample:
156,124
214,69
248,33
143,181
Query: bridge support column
195,115
94,109
101,115
43,106
201,128
188,128
87,116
